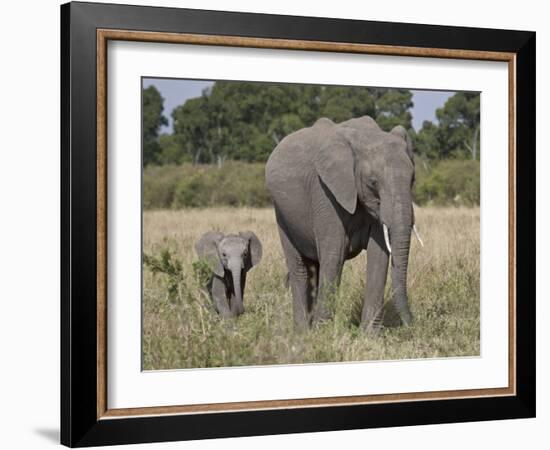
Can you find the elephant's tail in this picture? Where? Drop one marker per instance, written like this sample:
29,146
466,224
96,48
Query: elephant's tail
287,280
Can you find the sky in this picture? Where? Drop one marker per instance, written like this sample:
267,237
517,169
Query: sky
175,92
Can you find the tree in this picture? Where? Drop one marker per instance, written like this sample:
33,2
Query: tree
153,105
393,108
456,135
459,124
170,150
242,121
246,120
426,141
343,103
192,128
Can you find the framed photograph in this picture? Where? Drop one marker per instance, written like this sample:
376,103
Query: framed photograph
276,224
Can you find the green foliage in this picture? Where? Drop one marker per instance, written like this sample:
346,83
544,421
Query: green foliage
159,184
392,108
245,120
448,182
344,103
459,124
233,184
170,151
203,163
445,182
152,121
457,133
202,272
168,265
426,141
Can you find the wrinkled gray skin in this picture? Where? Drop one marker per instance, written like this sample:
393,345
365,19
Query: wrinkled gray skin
333,186
230,257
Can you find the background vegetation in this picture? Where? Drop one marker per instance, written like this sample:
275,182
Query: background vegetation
181,328
236,123
447,182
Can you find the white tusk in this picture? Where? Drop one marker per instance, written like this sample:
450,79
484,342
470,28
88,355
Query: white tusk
387,237
418,236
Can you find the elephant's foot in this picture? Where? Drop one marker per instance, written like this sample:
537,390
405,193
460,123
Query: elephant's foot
372,326
372,317
321,315
301,324
371,330
405,315
227,314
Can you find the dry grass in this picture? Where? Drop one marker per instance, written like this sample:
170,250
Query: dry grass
182,330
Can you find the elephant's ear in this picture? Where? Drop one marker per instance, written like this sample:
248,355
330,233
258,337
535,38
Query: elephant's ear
400,131
335,164
207,249
255,248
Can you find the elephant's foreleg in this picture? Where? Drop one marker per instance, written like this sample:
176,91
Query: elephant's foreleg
377,271
219,295
300,280
330,271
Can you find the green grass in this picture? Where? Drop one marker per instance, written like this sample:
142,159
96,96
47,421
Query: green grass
182,330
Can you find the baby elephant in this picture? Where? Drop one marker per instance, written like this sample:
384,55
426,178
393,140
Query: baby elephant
230,257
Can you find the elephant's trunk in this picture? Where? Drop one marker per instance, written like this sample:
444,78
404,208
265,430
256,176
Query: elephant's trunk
237,306
400,239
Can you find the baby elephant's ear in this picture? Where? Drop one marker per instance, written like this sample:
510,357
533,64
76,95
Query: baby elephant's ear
207,248
255,247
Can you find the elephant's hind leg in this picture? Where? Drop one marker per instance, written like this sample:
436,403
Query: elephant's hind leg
302,276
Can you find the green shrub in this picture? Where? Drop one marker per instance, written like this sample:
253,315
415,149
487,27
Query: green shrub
193,190
192,186
447,182
168,265
202,272
159,186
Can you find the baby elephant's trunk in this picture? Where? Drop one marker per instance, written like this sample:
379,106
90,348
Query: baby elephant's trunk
237,306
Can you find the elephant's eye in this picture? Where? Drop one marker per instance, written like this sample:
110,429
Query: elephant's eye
372,183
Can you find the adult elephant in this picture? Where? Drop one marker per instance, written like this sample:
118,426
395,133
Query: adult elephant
339,189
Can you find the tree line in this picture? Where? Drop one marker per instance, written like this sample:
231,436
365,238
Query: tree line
244,121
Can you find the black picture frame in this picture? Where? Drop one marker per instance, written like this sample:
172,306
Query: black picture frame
80,425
